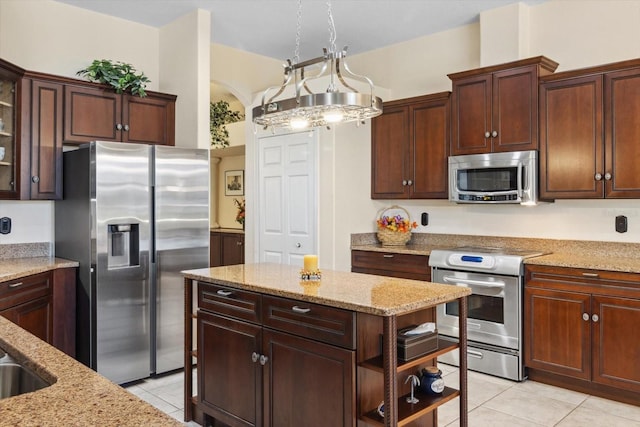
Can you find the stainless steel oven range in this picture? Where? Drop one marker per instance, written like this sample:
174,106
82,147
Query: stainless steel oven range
494,323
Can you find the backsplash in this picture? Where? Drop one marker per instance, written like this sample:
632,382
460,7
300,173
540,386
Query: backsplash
25,250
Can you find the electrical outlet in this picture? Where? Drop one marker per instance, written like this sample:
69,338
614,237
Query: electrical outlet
424,219
5,225
621,224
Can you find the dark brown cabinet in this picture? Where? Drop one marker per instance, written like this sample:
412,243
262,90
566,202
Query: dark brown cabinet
226,248
93,112
577,324
276,359
495,109
589,121
41,175
28,303
409,149
407,266
10,126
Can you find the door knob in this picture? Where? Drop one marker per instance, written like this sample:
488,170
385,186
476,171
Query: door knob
35,179
298,245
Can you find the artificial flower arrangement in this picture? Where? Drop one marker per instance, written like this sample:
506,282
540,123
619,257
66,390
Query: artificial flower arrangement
240,214
396,223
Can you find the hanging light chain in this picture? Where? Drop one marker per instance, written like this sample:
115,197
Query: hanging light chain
296,56
332,30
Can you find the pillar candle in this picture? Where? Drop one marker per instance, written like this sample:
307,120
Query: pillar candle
311,263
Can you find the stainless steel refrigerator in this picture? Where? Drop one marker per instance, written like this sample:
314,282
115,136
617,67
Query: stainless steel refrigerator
134,216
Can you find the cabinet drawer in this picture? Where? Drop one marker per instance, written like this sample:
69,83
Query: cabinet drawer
414,266
19,291
229,301
318,322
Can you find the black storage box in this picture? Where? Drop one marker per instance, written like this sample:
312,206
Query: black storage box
412,346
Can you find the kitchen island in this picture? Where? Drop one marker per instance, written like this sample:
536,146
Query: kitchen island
77,395
339,318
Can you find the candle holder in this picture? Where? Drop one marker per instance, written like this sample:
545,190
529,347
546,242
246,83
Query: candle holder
310,275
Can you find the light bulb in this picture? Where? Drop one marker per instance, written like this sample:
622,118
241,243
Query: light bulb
333,116
299,123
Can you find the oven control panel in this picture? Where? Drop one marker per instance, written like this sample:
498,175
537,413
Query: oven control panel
477,261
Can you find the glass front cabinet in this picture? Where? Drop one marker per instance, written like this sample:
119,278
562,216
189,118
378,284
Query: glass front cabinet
10,80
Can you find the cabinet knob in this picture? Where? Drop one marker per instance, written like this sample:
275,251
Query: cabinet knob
404,182
119,126
409,182
607,176
263,360
126,127
494,134
585,317
487,134
595,318
598,176
35,179
298,245
254,357
239,243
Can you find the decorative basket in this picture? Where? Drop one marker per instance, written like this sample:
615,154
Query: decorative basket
394,238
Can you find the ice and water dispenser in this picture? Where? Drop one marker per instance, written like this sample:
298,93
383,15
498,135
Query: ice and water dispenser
123,246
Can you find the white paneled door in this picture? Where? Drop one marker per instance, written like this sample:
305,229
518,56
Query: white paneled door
288,197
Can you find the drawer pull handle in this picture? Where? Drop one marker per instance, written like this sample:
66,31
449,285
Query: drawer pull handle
387,256
300,309
254,357
590,274
224,293
15,285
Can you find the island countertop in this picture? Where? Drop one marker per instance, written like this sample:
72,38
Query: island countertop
78,395
378,295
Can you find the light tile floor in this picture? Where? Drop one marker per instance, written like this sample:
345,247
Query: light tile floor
493,402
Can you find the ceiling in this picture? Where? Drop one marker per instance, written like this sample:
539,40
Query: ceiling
268,27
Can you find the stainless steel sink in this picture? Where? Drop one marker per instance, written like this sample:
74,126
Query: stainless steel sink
16,379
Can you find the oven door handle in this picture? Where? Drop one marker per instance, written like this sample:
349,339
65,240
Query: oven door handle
519,180
482,283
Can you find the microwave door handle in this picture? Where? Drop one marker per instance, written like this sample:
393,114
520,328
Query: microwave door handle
481,283
520,185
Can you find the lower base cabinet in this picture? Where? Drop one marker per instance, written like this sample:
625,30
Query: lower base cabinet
577,330
226,248
272,377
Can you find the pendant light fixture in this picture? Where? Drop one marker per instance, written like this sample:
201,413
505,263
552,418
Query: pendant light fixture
340,102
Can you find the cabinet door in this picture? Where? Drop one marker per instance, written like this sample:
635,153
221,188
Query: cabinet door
149,120
45,179
622,133
557,338
471,115
615,355
571,140
390,154
229,381
215,249
91,114
11,98
232,249
429,149
515,110
307,383
34,316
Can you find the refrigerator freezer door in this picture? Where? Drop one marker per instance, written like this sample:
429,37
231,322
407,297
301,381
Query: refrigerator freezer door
122,206
181,183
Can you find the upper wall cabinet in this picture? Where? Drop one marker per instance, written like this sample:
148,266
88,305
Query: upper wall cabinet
590,128
495,108
93,112
409,148
10,124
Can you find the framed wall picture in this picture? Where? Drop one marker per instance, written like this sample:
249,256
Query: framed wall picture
234,183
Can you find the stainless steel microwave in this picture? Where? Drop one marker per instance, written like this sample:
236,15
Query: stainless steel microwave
510,177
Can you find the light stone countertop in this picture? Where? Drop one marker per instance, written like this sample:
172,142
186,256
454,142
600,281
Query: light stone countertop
378,295
592,255
78,397
15,268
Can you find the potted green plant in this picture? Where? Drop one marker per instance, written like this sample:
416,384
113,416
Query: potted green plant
220,114
119,75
